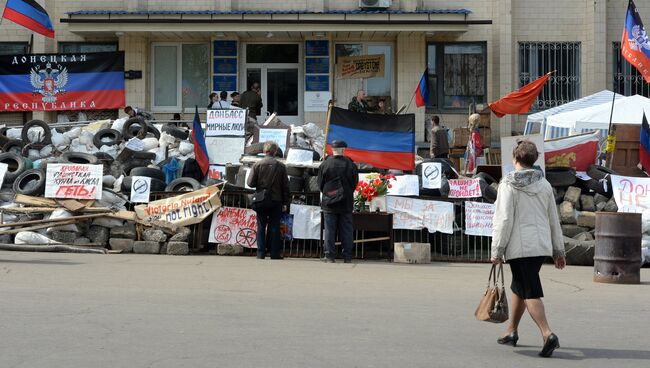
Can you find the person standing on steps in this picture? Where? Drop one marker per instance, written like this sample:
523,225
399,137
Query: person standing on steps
439,143
527,231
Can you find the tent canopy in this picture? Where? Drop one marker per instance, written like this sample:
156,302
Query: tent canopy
628,110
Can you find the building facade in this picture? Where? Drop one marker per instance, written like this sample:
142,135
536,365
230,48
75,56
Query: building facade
474,50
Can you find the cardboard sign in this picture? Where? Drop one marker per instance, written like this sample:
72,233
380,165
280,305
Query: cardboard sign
74,181
464,188
225,150
478,218
278,136
231,225
3,171
140,189
431,175
417,214
509,143
631,194
405,185
182,210
228,122
217,172
306,221
300,157
365,66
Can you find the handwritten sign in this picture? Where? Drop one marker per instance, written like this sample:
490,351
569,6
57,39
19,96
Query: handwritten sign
74,181
417,214
300,157
182,210
3,171
631,194
365,66
228,122
464,188
140,189
225,150
306,221
478,218
405,185
231,225
217,172
431,175
278,136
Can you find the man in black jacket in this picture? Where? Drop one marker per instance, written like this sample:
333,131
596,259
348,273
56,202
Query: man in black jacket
337,179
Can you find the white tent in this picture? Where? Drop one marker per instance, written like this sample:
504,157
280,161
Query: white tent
628,110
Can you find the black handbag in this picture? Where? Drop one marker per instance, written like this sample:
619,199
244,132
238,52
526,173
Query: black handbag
332,192
262,199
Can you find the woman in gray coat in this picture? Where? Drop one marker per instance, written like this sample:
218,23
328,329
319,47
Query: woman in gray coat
526,232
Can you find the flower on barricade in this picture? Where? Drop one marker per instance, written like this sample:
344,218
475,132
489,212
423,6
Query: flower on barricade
371,186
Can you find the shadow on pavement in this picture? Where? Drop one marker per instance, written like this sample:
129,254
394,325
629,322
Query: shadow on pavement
40,261
589,353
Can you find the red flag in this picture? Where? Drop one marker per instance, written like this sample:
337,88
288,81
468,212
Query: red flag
635,46
577,151
519,102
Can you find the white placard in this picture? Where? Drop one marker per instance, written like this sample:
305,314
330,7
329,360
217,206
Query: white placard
135,144
417,214
405,185
306,221
226,123
317,101
300,157
231,225
140,189
278,136
509,143
224,150
74,181
431,175
464,188
631,194
3,171
217,172
478,218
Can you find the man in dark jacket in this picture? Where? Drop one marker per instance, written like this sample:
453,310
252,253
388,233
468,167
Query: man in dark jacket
252,100
270,174
337,179
439,142
358,103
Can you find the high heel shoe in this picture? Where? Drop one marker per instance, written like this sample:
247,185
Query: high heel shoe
552,343
512,338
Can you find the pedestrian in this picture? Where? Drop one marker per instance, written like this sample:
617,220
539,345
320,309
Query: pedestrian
212,98
337,179
439,143
271,175
234,97
527,231
222,103
252,100
138,113
358,103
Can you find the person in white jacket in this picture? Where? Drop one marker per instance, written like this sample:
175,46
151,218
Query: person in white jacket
527,231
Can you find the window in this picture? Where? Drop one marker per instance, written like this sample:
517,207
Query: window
539,58
180,76
272,53
84,47
457,74
627,80
13,48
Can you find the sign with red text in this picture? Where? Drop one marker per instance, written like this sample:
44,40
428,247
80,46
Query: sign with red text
74,181
631,194
464,188
232,225
478,218
182,210
217,172
417,214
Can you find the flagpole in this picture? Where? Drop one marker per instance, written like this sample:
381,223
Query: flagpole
330,104
611,137
410,102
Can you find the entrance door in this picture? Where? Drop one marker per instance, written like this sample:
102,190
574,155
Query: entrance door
276,68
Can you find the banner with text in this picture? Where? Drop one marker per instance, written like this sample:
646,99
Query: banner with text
74,181
185,209
478,218
417,214
227,122
232,225
631,194
365,66
464,188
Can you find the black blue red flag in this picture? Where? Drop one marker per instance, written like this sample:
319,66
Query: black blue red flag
29,14
422,91
635,46
644,145
200,149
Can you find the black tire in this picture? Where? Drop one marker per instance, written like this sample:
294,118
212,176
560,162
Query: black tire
442,192
115,137
488,192
311,184
144,155
132,128
16,166
134,164
104,158
295,171
175,131
79,158
561,176
156,185
32,146
30,182
151,172
13,146
3,136
445,165
47,133
599,172
183,185
296,183
598,186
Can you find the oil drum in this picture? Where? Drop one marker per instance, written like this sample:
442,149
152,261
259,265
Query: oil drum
617,255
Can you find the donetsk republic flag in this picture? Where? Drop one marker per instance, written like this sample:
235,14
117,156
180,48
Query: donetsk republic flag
50,82
383,141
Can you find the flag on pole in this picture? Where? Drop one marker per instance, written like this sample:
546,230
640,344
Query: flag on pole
422,91
519,101
198,138
635,46
644,145
29,14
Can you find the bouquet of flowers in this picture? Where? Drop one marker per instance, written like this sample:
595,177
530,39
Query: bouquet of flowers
373,186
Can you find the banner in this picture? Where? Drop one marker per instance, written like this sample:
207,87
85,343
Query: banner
232,225
306,221
631,194
228,122
185,209
74,181
51,82
464,188
365,66
404,185
478,218
577,151
417,214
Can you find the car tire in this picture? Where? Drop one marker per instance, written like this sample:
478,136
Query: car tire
183,185
175,131
79,158
115,137
487,190
47,133
16,166
599,172
13,146
30,182
151,172
560,177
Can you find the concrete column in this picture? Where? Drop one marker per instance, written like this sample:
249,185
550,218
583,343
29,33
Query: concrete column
594,71
136,58
507,65
410,58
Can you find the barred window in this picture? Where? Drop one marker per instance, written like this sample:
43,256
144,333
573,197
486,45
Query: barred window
13,48
627,79
538,58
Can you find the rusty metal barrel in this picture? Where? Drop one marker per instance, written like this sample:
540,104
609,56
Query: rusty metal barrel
617,254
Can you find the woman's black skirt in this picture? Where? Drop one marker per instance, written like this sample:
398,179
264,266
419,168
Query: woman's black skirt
525,277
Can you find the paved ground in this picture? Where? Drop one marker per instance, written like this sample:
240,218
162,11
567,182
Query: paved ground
68,310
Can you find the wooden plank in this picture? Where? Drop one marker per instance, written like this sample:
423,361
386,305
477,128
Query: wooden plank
52,221
35,201
71,205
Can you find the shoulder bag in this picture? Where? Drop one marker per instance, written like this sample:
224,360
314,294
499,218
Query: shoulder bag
494,303
262,198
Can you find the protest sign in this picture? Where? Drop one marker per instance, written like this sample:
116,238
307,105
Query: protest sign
306,221
464,188
182,210
416,214
431,175
224,150
227,122
276,135
365,66
74,181
405,185
217,172
232,225
631,194
3,172
509,143
140,189
478,218
300,157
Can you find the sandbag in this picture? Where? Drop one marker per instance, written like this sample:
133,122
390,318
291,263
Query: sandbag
59,214
150,143
30,237
118,124
108,222
185,148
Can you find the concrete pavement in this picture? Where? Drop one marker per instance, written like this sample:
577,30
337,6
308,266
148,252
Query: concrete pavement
74,310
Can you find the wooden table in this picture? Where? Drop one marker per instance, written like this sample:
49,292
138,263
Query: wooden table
367,221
